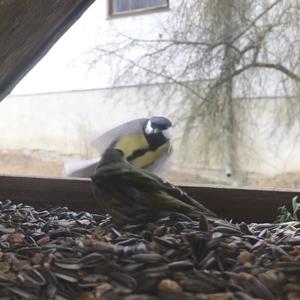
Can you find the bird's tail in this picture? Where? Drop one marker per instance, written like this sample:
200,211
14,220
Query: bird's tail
81,168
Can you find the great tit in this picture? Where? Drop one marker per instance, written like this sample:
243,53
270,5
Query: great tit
133,195
144,142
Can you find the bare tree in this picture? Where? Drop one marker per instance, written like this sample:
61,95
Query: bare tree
217,53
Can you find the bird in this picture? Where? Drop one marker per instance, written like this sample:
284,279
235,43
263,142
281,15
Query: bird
132,195
145,142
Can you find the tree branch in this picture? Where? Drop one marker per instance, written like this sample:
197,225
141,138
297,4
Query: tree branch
277,67
177,42
152,71
240,34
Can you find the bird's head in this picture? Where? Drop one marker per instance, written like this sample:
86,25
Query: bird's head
112,156
159,126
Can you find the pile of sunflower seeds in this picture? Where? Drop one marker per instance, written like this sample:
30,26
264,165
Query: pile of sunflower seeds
60,254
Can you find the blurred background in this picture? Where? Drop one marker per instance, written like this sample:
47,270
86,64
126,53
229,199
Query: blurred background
226,72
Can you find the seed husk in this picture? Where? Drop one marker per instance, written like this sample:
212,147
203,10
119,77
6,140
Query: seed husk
56,253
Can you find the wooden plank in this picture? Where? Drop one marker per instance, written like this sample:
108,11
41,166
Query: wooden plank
28,29
42,192
239,204
243,204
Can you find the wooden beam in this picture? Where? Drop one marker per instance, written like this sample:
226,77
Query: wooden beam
43,192
243,204
28,29
239,204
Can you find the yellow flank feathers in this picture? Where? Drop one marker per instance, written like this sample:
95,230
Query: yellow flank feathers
129,143
150,157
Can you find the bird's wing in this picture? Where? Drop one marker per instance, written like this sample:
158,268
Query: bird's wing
134,193
184,197
82,168
107,139
148,183
128,174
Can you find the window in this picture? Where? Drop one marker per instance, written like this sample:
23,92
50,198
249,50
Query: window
122,7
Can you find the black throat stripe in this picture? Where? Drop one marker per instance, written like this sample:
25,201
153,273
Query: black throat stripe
137,153
155,140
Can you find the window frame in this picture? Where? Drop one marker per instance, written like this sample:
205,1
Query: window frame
134,12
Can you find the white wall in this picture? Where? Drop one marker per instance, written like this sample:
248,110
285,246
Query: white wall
67,122
66,67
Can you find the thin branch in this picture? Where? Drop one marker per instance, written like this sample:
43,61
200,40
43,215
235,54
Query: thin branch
240,34
277,67
148,70
177,42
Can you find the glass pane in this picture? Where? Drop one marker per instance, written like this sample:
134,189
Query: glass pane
127,5
138,4
153,3
120,5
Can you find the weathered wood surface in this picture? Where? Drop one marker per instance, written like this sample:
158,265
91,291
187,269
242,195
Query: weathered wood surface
240,204
28,29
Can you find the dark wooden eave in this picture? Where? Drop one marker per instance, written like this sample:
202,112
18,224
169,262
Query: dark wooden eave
28,29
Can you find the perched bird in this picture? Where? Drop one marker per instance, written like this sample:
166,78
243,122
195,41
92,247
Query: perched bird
133,195
144,142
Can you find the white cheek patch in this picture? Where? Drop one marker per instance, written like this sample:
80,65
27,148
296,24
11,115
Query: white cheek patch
149,128
167,133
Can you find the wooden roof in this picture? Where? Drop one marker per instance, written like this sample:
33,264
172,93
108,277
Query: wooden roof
28,29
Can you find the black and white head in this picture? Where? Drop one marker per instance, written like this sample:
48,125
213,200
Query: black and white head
158,131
